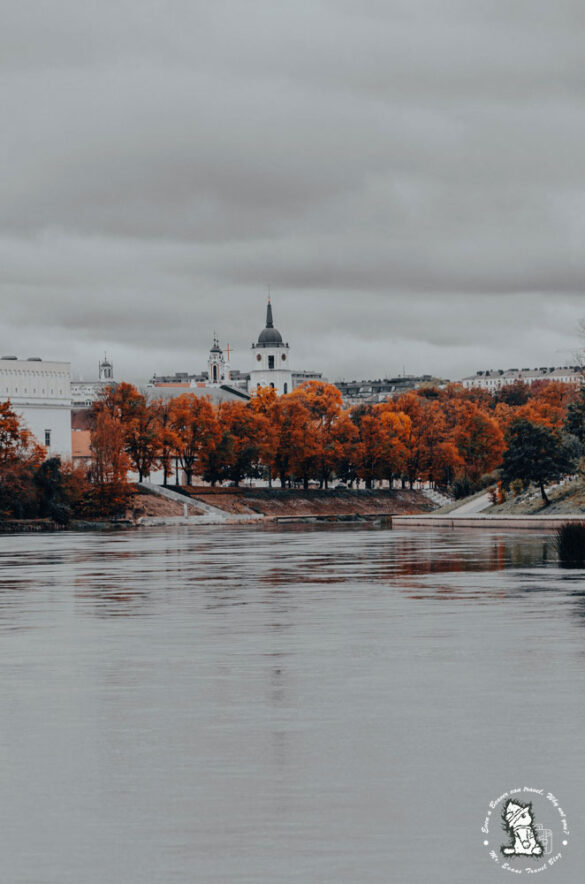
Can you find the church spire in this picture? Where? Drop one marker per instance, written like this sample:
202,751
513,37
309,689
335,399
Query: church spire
269,321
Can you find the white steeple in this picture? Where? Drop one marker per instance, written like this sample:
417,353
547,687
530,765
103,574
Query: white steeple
106,369
218,365
271,359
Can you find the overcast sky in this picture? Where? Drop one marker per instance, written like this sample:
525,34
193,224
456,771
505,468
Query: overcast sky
408,176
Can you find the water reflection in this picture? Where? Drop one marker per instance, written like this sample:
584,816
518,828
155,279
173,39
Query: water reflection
110,600
280,704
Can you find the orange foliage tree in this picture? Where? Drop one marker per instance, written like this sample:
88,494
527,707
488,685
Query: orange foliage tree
109,465
166,435
294,450
197,431
548,404
479,440
241,450
17,443
140,424
380,451
20,457
331,431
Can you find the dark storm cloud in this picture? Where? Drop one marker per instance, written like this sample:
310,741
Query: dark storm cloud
408,178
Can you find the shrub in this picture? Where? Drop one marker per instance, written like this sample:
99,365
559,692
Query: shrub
517,487
463,488
570,543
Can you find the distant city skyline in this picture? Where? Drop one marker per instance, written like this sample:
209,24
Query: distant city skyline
407,178
333,350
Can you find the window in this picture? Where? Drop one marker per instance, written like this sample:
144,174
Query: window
286,388
271,362
47,438
272,385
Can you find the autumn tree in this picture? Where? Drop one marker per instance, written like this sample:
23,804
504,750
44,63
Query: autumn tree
20,457
479,441
118,400
295,445
396,428
380,452
548,403
17,443
142,437
427,431
264,402
240,451
166,435
140,424
368,451
515,394
109,465
197,431
331,430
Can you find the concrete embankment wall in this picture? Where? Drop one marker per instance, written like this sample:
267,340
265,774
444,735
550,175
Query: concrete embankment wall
195,511
531,523
201,505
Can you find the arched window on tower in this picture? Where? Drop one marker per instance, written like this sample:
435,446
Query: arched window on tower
214,376
272,385
271,362
285,388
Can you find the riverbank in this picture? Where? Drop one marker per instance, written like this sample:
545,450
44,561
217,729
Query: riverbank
524,511
156,506
566,499
286,502
487,522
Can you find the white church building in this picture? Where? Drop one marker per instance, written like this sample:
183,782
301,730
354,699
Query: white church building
271,366
40,393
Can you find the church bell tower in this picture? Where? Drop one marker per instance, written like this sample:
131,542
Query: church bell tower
271,359
106,369
218,365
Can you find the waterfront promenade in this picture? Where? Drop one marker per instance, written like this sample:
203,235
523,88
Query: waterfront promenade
478,520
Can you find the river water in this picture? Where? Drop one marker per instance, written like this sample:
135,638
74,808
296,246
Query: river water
308,704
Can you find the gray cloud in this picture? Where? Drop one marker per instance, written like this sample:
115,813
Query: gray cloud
407,177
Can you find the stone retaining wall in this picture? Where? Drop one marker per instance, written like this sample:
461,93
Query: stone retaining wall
545,523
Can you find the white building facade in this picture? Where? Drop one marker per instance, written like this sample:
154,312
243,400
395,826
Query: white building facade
271,359
40,394
495,380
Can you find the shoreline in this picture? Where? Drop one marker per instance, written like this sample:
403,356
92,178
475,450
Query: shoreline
512,522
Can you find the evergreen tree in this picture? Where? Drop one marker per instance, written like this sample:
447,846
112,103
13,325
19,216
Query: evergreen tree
538,454
575,420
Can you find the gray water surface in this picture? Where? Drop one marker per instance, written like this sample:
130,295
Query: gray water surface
282,705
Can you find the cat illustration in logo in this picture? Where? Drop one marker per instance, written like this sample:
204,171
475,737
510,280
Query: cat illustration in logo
518,819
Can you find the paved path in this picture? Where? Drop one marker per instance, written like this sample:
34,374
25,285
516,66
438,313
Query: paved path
204,512
472,506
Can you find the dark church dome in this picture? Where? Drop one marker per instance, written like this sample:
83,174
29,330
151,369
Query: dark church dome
270,336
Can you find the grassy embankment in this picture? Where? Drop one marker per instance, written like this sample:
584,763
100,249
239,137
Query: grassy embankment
566,499
282,502
269,502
